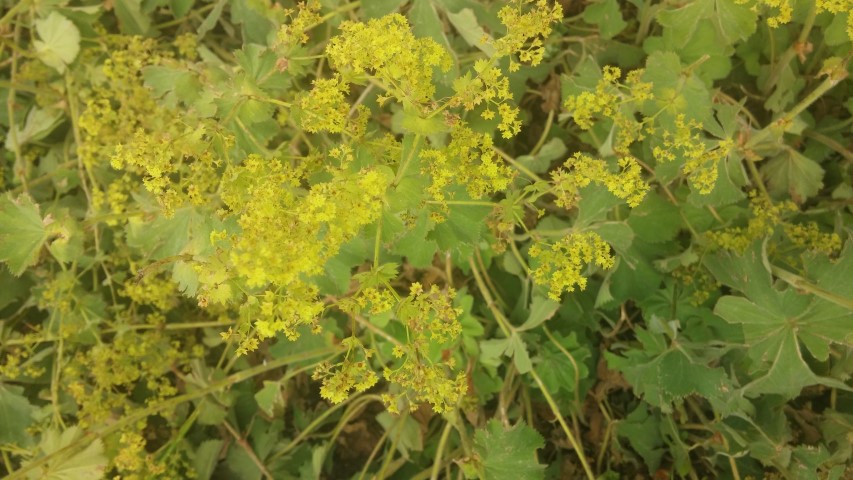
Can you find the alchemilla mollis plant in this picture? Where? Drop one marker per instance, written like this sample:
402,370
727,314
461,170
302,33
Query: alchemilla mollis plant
426,239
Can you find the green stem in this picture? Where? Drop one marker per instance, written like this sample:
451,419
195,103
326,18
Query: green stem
401,171
22,5
442,444
556,410
801,283
825,86
143,413
521,168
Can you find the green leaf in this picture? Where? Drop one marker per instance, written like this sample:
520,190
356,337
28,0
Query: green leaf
269,398
412,122
59,41
792,173
508,454
15,416
210,20
559,371
655,219
517,349
187,232
680,23
734,20
86,464
465,22
594,205
380,8
173,83
418,250
22,233
39,123
132,21
664,378
775,322
410,435
541,309
607,15
180,8
462,228
643,432
206,457
675,91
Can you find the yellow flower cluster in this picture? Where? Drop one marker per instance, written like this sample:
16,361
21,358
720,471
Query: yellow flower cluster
700,161
287,233
560,264
467,160
285,312
581,170
101,379
424,382
386,48
526,30
491,87
353,373
325,106
604,100
430,318
151,290
302,18
766,217
809,237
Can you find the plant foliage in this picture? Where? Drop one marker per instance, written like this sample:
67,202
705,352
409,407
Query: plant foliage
421,239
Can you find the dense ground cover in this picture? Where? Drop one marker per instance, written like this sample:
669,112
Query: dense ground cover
412,239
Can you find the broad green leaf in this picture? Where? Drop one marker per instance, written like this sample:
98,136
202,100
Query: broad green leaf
774,323
254,18
558,370
728,189
680,23
132,21
418,250
180,7
668,377
85,464
655,219
520,357
412,122
643,432
187,232
541,309
380,8
462,228
465,22
16,416
734,20
607,14
39,123
269,398
793,174
594,205
674,90
206,457
23,232
410,436
508,454
59,41
173,83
